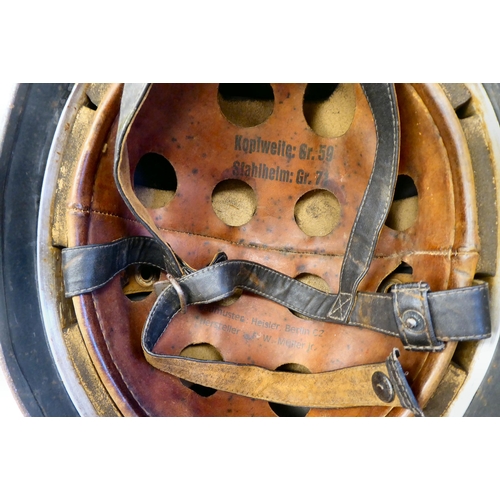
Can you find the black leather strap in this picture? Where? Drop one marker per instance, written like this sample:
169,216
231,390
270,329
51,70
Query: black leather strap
90,267
376,200
403,390
422,320
132,98
411,310
461,314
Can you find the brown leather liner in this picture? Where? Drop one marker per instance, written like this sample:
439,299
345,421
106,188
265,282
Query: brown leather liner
184,123
465,253
80,200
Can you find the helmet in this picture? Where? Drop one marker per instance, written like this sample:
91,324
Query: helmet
285,249
315,232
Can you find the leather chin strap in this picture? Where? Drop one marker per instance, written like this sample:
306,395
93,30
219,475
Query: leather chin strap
421,319
452,315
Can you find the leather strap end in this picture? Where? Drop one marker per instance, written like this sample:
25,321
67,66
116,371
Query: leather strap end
401,386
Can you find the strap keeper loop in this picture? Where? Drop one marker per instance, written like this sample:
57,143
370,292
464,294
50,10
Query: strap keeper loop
413,318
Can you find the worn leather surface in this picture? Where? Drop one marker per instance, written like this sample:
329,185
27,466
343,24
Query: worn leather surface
377,197
452,315
344,388
414,319
184,124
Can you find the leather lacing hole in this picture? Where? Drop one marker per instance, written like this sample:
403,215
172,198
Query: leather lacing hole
206,352
317,212
234,202
404,208
246,104
155,181
288,410
329,108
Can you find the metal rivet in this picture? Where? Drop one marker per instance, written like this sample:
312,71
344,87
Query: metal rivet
413,320
411,323
382,387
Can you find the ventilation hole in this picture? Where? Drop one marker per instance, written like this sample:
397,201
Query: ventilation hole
319,92
205,352
138,296
287,410
329,108
402,274
404,209
246,104
155,181
466,109
138,281
314,281
234,202
317,212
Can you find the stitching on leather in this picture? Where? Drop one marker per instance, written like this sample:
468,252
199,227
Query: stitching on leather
114,243
402,331
376,234
89,210
427,314
383,296
242,393
339,303
246,287
426,348
422,288
302,311
456,291
270,297
393,166
400,384
95,287
106,245
259,292
438,348
339,306
434,253
465,337
371,327
358,214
